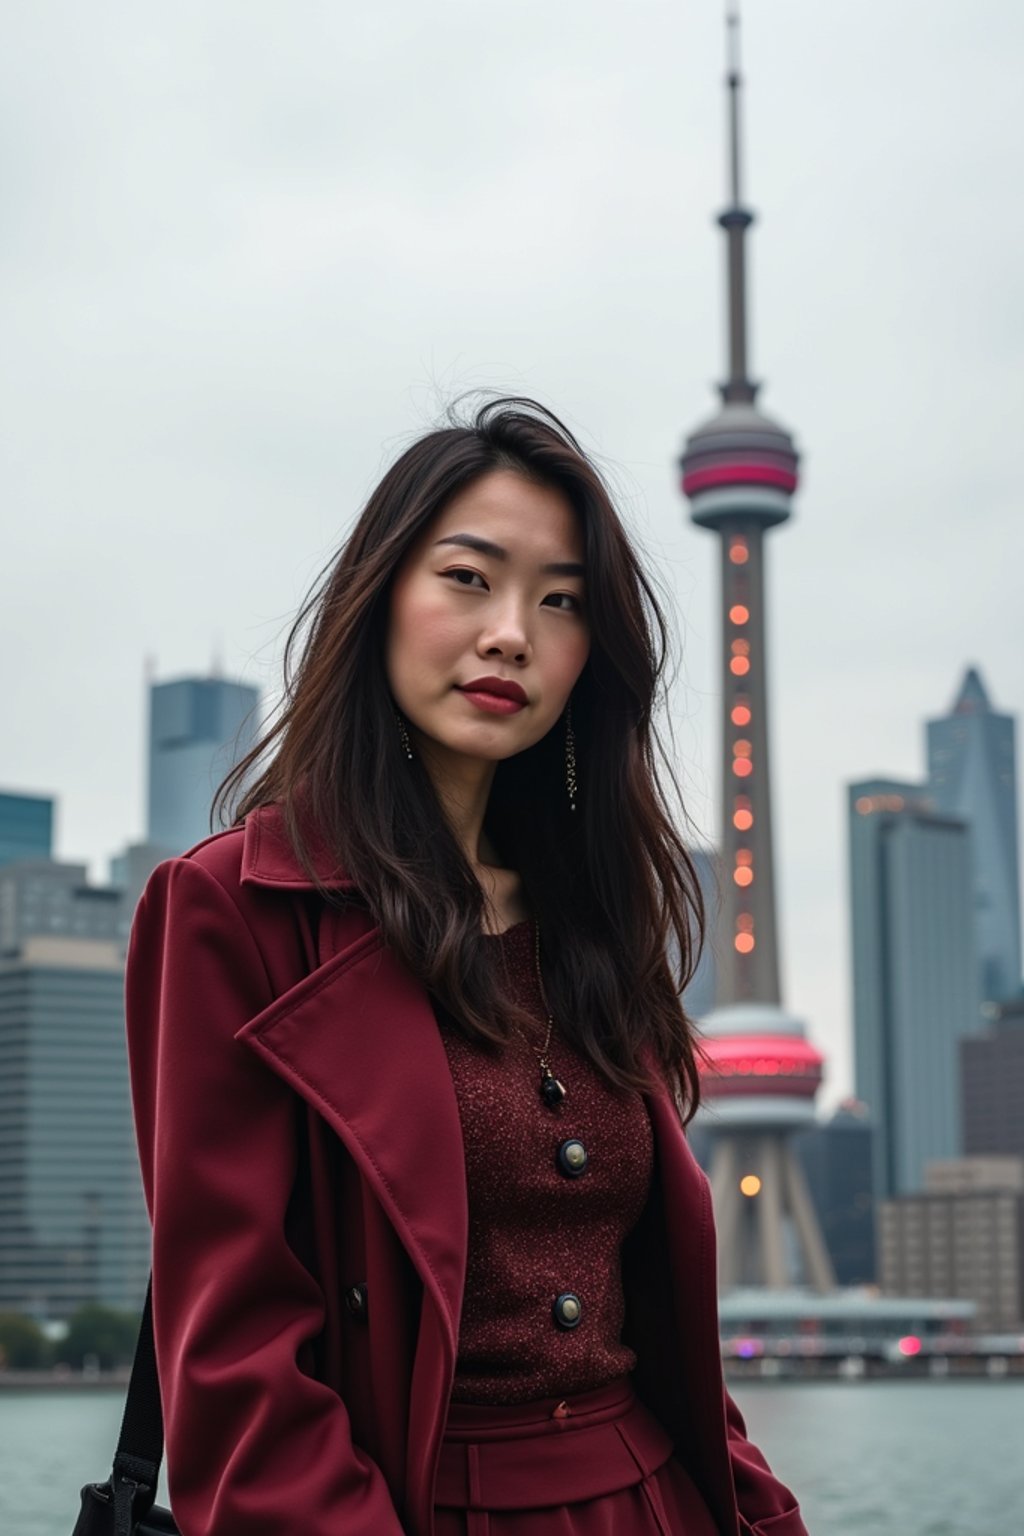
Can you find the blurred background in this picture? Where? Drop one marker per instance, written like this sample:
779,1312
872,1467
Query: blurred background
248,253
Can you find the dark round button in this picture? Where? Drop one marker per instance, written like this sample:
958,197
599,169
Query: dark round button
355,1300
568,1310
572,1158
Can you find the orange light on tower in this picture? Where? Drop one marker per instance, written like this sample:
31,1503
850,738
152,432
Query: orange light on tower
739,614
742,813
739,554
740,714
739,665
744,943
750,1185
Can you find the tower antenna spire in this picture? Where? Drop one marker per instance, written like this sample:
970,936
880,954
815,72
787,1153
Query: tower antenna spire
736,220
734,80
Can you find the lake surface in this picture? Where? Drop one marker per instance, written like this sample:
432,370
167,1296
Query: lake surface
869,1458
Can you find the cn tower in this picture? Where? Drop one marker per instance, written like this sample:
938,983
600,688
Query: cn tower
739,473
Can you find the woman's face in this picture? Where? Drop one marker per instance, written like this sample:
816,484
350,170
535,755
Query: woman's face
488,629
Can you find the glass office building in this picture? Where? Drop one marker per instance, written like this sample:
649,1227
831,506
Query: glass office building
73,1222
26,827
199,727
915,975
972,774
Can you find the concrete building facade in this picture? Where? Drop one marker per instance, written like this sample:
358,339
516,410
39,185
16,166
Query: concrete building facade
992,1084
962,1236
42,896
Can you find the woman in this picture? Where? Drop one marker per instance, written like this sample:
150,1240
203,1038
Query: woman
409,1065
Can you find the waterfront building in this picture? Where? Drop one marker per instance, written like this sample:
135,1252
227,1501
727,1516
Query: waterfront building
44,896
836,1158
963,1235
73,1221
972,774
199,727
851,1323
992,1083
26,826
739,473
915,979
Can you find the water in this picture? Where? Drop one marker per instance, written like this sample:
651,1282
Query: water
865,1458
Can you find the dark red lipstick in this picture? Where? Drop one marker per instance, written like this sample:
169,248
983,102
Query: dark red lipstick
496,695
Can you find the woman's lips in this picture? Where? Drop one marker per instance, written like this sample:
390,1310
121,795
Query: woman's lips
492,703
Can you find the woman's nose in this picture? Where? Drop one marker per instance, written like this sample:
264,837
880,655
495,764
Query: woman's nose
506,636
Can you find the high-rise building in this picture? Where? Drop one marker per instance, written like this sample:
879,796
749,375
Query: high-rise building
915,987
835,1155
963,1235
26,827
972,774
199,728
699,997
739,472
992,1083
73,1222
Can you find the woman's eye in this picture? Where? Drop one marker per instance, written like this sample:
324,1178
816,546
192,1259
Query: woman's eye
465,577
567,601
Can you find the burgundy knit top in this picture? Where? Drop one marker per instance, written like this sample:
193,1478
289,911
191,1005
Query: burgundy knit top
543,1308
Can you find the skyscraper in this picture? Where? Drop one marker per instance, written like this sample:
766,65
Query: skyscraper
972,774
836,1158
26,827
739,471
199,727
914,974
73,1222
992,1083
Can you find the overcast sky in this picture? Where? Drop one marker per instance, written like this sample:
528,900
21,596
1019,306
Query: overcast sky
250,250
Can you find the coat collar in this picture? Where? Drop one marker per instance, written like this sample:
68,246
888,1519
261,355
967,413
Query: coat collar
269,859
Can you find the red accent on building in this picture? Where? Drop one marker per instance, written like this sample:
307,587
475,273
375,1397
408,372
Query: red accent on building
739,1065
697,480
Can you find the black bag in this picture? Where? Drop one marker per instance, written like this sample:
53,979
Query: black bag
123,1505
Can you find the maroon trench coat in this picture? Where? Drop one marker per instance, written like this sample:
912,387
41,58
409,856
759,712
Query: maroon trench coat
299,1137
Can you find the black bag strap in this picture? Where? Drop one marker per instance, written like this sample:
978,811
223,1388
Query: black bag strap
140,1444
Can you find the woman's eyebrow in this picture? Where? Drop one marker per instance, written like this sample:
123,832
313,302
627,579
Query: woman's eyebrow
485,547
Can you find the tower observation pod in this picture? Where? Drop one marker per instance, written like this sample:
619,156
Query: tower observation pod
739,473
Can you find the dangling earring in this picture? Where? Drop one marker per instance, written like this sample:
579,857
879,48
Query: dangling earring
403,735
570,757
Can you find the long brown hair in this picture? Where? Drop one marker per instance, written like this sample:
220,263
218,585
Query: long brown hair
612,885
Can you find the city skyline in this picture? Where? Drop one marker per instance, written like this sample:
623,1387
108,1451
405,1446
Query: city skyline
218,334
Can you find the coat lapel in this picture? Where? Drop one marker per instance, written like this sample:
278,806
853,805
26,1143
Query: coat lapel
357,1038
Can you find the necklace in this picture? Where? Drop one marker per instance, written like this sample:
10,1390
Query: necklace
551,1090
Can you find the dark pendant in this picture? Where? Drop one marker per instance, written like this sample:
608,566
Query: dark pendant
551,1090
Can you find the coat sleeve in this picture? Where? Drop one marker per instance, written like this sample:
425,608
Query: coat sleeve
766,1506
253,1443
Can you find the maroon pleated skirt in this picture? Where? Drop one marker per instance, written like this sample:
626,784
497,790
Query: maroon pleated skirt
594,1464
